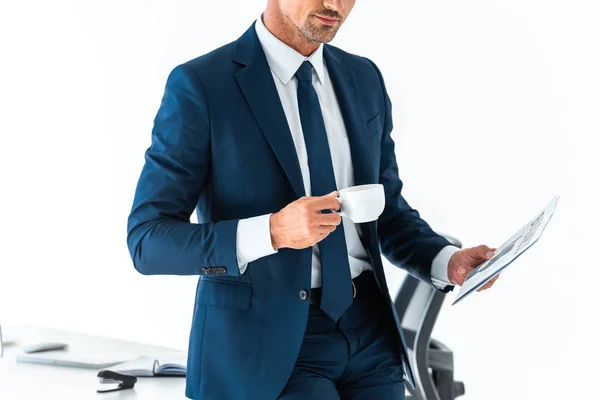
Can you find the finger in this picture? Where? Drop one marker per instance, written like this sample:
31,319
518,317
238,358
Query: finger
462,274
324,231
328,202
326,228
485,287
489,284
482,252
323,235
329,219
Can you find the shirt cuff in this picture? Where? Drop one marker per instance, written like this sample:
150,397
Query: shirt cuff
253,240
439,267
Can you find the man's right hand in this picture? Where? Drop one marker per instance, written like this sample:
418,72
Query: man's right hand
301,224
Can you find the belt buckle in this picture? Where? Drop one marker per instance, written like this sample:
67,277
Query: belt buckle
353,290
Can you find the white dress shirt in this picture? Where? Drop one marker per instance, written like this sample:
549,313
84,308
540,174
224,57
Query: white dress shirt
253,234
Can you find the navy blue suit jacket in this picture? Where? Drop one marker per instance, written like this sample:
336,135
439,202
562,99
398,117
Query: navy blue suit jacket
221,144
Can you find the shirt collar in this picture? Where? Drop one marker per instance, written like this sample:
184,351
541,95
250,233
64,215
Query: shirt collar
285,61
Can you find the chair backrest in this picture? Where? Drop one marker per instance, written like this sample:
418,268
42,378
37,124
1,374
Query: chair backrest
418,305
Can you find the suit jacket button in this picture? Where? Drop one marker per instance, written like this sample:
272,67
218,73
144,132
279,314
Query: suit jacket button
303,295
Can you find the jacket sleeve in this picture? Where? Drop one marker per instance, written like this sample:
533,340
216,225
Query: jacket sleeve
405,239
160,236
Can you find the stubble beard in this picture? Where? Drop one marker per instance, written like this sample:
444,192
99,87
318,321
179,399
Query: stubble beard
319,34
313,32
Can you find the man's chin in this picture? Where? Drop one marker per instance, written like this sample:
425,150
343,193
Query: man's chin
328,39
324,37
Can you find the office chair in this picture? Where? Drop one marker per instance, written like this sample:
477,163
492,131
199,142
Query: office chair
418,305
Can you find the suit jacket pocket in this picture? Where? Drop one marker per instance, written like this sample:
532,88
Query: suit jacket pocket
228,294
374,126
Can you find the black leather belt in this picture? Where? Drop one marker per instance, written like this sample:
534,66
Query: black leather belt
363,285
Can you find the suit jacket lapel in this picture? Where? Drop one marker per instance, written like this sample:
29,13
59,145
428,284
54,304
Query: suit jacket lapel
346,89
257,85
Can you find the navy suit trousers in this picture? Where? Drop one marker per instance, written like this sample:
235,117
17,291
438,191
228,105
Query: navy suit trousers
356,358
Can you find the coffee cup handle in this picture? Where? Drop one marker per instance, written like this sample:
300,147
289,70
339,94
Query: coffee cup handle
341,211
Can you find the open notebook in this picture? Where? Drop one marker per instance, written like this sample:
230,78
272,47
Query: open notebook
148,366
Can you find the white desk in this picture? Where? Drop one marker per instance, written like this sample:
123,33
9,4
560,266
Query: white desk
21,381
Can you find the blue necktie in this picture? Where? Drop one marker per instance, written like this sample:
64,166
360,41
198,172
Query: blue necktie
335,269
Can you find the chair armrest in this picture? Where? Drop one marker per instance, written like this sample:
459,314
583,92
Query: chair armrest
440,360
436,344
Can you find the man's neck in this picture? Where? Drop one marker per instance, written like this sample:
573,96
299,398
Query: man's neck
288,33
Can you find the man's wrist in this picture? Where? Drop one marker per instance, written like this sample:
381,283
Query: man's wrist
272,227
441,263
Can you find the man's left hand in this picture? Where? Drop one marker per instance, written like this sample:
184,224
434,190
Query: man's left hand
462,263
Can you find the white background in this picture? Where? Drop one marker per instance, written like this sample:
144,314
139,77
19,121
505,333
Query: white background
496,107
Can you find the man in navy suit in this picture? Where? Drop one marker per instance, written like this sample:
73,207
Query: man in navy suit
257,136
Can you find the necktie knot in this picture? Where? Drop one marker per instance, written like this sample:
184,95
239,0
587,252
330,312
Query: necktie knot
304,73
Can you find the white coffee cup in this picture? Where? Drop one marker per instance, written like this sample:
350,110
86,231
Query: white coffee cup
363,203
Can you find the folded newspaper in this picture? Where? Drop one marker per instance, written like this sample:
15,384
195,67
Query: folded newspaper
508,252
